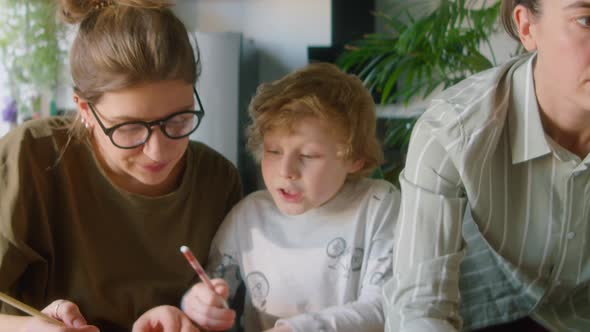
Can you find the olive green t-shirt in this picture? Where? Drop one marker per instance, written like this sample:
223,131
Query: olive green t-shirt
67,232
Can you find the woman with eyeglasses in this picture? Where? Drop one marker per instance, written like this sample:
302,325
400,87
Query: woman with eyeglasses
510,145
94,207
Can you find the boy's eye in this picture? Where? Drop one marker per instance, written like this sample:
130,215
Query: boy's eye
584,21
308,156
272,151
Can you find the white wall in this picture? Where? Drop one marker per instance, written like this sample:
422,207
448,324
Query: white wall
281,29
218,88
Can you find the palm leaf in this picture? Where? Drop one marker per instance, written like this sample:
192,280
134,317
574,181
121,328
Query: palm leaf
416,55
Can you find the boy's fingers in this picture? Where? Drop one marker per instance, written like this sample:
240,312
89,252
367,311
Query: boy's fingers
202,309
207,296
212,324
221,287
206,307
211,318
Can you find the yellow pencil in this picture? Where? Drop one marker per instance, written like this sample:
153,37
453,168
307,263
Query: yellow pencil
26,308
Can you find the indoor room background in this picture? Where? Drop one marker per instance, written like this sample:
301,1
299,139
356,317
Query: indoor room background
242,43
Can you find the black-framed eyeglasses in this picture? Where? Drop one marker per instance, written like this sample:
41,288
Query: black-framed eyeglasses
131,134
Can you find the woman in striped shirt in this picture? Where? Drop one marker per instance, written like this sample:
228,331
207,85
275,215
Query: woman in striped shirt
493,226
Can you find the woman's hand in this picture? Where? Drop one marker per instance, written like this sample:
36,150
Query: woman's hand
206,307
164,318
64,311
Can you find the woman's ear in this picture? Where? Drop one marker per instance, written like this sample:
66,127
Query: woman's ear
81,103
526,27
84,111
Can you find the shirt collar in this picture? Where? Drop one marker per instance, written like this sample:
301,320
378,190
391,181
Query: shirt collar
527,137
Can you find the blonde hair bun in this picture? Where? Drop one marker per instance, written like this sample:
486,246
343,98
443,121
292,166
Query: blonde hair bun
75,11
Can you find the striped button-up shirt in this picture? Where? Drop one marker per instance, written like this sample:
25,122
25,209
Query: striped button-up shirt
480,150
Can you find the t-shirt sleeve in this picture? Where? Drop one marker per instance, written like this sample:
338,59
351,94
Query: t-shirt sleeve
224,257
20,257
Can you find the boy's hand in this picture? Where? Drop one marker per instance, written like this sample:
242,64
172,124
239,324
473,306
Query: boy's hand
164,318
206,308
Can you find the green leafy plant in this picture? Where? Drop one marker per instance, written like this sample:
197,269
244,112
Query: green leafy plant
29,49
416,56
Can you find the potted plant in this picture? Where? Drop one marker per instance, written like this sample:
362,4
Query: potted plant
416,56
29,51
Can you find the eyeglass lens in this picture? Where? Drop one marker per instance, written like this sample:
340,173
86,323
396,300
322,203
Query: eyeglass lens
133,134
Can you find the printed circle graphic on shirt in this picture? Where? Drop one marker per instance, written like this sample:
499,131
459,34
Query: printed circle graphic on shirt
336,247
228,268
258,287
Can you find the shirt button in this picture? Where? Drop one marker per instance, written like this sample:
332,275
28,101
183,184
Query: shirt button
571,235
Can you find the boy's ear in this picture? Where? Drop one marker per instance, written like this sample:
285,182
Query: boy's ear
356,166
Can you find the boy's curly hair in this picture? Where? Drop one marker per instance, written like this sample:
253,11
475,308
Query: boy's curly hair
323,91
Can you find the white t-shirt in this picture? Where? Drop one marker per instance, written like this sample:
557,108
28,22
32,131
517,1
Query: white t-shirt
319,271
